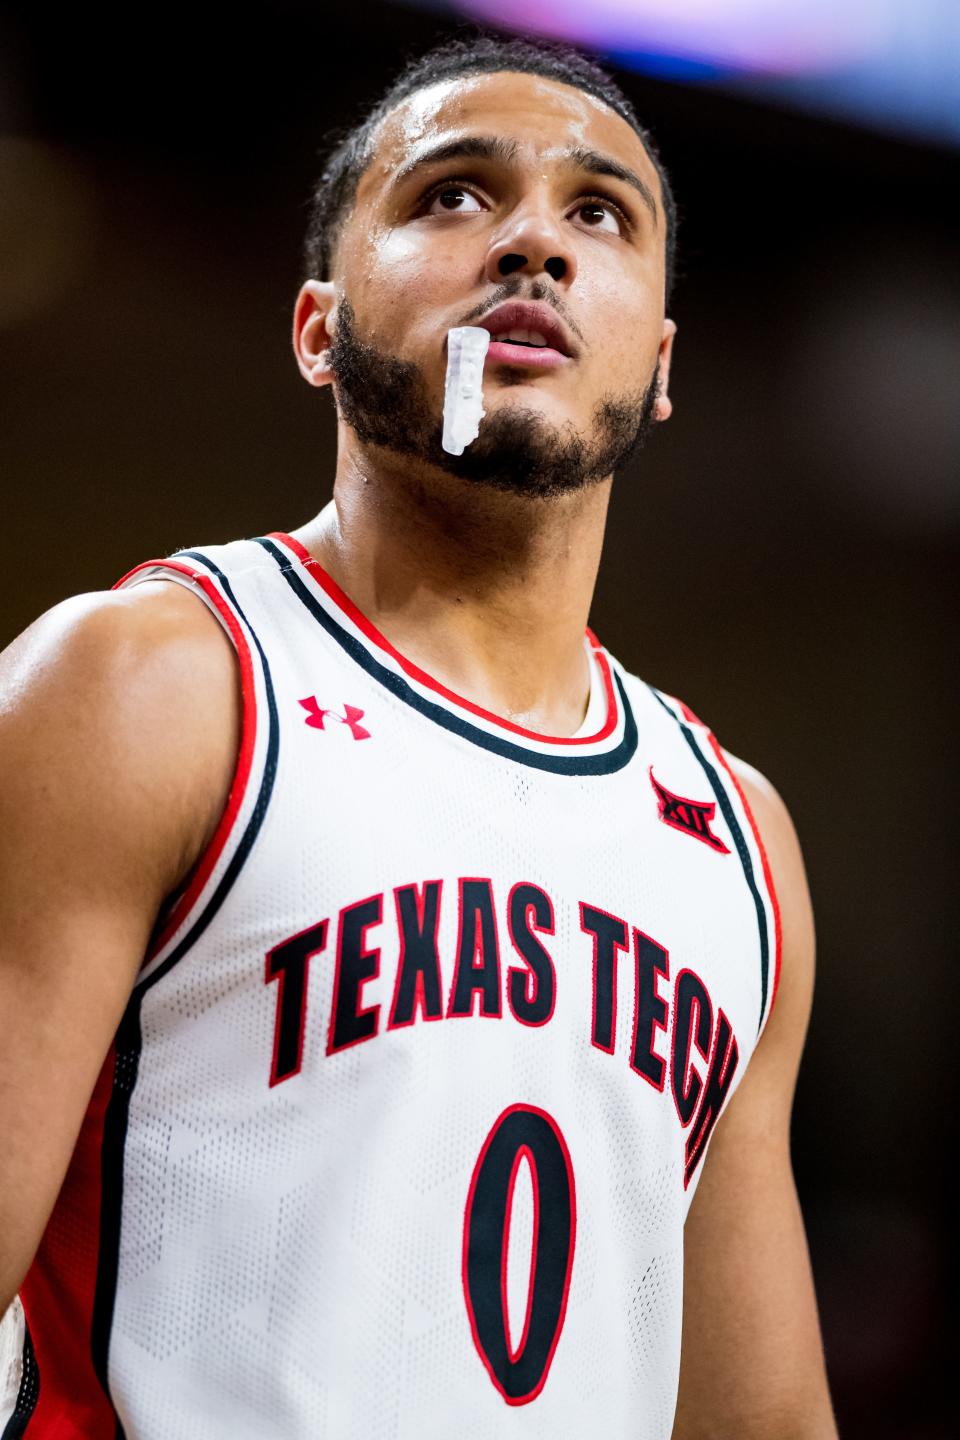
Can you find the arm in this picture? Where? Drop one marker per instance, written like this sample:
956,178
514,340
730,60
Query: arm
752,1363
115,764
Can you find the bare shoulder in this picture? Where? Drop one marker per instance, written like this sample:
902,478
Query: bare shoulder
114,627
120,710
774,823
111,622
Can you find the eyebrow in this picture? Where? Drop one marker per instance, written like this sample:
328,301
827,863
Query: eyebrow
596,163
494,147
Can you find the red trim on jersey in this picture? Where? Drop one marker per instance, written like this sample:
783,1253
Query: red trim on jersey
376,637
58,1293
765,863
204,867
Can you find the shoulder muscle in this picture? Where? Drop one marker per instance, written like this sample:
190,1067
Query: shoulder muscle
782,1042
118,717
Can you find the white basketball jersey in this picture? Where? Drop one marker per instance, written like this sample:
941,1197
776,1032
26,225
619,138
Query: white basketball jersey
401,1125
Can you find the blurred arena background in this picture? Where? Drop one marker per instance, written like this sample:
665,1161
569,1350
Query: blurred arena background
783,555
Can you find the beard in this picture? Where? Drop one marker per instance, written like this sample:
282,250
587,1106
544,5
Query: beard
385,401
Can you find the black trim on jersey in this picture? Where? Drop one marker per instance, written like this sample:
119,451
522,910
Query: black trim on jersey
723,800
128,1041
28,1394
239,856
603,764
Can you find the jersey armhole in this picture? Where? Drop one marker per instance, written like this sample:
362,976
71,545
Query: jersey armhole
767,873
771,893
187,911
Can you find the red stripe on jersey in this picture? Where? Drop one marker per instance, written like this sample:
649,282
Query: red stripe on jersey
60,1287
767,875
376,637
204,866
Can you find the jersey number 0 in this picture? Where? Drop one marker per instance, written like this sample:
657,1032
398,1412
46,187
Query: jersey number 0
519,1373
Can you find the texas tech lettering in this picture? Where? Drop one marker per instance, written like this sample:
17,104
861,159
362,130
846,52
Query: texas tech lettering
501,967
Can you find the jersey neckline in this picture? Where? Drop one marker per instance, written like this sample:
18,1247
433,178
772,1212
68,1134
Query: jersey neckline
606,749
424,678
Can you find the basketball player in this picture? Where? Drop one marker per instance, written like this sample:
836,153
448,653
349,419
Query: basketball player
402,1003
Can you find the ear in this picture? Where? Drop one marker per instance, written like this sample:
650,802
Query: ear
664,405
314,326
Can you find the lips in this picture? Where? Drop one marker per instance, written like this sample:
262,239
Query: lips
524,332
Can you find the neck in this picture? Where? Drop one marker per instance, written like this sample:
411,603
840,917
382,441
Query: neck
487,591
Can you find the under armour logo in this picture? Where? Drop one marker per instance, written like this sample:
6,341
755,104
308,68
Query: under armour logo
316,715
691,816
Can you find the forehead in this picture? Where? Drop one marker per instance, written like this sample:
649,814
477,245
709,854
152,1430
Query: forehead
544,116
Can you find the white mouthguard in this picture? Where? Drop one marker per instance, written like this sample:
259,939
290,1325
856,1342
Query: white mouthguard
463,392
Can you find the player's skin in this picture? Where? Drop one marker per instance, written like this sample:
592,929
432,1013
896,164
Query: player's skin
119,712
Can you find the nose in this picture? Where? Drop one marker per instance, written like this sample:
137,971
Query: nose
531,242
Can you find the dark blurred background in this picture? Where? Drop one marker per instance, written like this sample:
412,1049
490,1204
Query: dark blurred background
782,555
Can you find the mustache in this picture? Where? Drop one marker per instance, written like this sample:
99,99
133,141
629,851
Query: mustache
516,288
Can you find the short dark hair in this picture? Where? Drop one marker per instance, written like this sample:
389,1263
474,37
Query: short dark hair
351,151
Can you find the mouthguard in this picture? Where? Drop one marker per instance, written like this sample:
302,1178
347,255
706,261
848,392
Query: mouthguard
463,391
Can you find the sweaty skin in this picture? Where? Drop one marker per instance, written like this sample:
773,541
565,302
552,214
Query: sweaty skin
106,806
512,579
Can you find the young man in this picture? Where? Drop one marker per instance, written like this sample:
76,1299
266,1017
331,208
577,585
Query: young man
378,956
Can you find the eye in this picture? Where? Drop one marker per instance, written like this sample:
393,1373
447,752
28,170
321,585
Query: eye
452,200
603,215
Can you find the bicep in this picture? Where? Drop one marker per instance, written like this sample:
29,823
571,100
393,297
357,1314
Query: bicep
752,1360
752,1363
